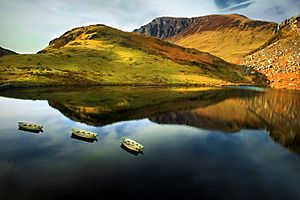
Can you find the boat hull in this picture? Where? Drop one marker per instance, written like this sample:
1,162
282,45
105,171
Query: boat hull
84,134
132,145
30,126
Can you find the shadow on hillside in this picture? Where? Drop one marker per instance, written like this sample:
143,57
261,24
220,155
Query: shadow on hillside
257,78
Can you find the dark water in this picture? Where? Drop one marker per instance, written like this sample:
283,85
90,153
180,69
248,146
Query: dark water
199,144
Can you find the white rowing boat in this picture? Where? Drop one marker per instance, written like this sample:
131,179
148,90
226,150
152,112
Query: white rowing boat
84,134
30,126
132,145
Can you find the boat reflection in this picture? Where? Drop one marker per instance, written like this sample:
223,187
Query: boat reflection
130,151
30,131
90,140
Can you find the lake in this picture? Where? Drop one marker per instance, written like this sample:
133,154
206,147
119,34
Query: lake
200,143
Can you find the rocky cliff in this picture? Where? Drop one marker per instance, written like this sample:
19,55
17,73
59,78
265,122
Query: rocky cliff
166,27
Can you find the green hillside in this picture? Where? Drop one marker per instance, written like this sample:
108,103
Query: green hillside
100,55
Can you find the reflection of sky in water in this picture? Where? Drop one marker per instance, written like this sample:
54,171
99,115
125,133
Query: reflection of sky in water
201,163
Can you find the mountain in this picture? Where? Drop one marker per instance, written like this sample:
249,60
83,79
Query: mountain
4,52
229,37
101,55
279,57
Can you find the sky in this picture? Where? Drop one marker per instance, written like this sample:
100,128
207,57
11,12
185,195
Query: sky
27,26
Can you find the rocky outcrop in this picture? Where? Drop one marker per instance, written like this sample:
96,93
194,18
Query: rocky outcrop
166,27
279,58
292,22
4,52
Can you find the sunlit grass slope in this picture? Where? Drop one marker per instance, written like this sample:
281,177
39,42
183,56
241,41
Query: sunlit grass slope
101,55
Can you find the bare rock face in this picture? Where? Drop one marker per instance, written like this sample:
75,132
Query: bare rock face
165,27
293,22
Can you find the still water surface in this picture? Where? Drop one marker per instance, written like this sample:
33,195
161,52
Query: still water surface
199,144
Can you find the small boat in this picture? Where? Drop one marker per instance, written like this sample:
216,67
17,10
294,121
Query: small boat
30,126
84,134
132,145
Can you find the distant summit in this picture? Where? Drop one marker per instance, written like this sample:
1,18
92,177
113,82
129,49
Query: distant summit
227,36
167,27
4,52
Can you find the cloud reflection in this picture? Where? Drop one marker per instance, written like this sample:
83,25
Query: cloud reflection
192,158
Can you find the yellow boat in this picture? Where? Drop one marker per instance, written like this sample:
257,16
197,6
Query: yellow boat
30,126
132,145
84,134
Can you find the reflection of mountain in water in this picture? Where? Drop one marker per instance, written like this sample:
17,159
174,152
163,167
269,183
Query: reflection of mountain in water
227,110
278,112
102,114
225,116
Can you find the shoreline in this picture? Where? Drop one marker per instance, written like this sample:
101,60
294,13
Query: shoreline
10,86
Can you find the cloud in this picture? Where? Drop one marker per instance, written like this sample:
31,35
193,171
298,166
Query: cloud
28,26
270,10
232,4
